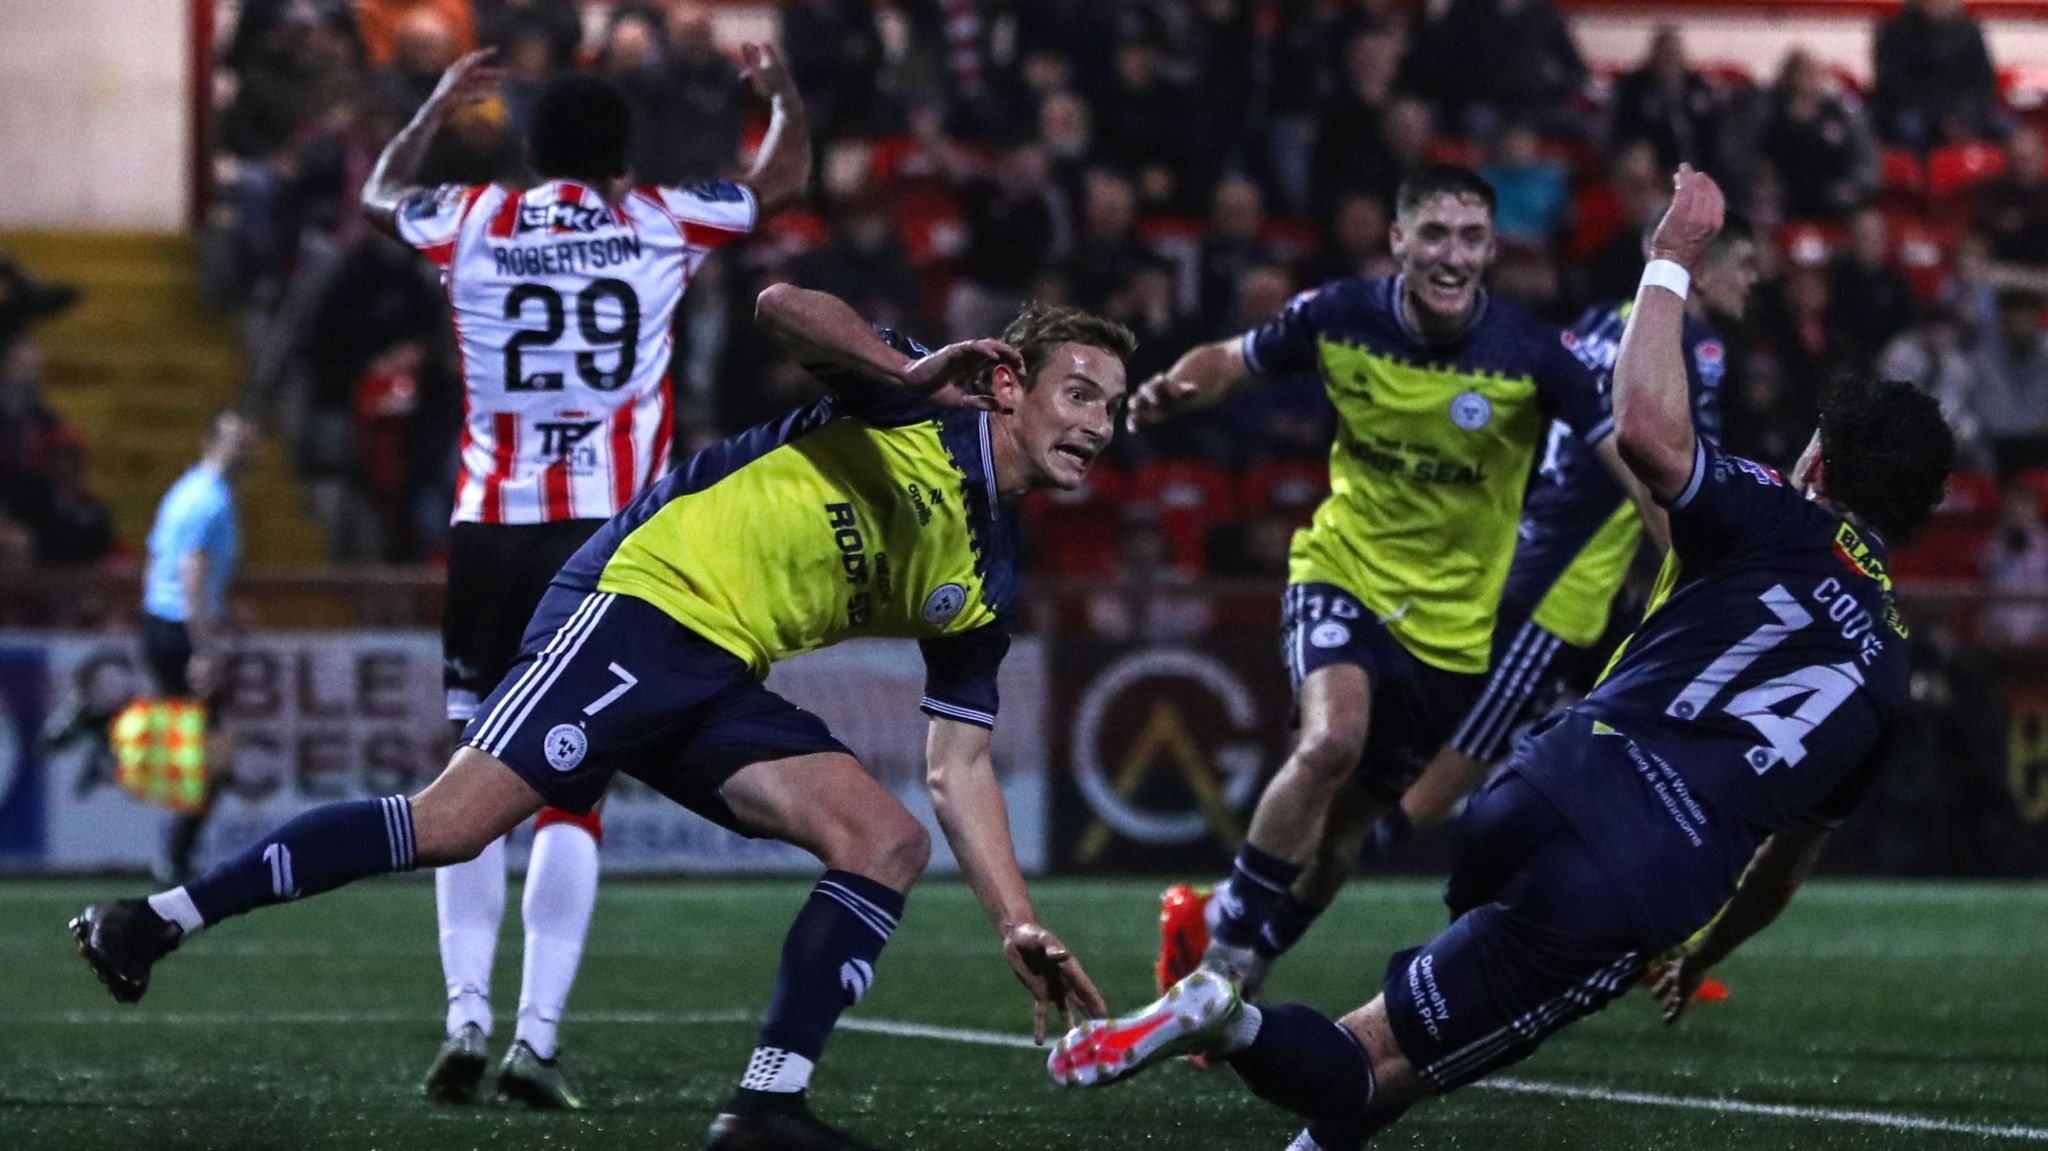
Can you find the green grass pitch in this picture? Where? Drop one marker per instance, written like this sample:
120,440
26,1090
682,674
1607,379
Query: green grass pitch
1921,1008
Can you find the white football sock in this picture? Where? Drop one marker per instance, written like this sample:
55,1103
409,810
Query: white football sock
561,888
469,900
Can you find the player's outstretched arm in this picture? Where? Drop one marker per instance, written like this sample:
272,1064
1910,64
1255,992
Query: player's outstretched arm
1652,408
397,172
825,330
1780,865
971,811
782,169
1209,374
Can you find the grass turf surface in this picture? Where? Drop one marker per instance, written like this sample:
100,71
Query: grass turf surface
309,1026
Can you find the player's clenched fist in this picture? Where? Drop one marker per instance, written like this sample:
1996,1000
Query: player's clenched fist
1157,399
762,68
1692,221
468,79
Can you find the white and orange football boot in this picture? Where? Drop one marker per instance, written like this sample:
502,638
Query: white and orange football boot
1192,1018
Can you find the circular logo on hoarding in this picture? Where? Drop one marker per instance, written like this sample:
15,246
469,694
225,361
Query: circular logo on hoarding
565,746
1103,714
1471,411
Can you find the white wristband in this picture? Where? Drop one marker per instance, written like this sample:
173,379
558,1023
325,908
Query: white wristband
1668,275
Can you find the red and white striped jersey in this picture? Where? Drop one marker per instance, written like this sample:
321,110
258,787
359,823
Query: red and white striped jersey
562,307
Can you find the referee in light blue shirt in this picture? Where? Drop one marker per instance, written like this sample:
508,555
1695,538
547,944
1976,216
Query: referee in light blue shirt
192,551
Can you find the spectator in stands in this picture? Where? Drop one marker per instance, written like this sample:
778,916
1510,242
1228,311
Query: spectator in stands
2016,562
1107,252
2009,399
1010,231
1533,191
1491,61
1527,275
2011,209
1066,130
1872,300
634,56
1146,597
1141,125
425,40
865,264
556,24
1810,347
1930,355
1146,304
1669,105
1354,244
1230,248
1934,80
26,301
1356,147
1614,216
835,52
1820,147
386,24
72,526
26,426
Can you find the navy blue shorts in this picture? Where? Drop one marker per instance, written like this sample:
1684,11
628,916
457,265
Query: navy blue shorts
1526,666
608,683
1415,706
1538,939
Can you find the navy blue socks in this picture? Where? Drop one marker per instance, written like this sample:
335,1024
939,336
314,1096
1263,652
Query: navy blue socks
1289,922
315,852
1246,903
1304,1062
828,963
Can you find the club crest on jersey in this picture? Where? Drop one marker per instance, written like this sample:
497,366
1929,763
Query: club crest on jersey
565,746
560,217
944,603
1329,634
1471,411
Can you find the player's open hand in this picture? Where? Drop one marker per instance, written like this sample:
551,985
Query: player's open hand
1158,398
762,68
1676,984
1053,977
466,81
1692,221
944,376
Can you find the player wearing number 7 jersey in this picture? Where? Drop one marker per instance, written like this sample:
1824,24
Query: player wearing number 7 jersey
562,295
1739,724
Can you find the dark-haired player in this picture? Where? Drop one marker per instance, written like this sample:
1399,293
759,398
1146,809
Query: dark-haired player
1443,396
1580,533
882,510
562,294
1740,723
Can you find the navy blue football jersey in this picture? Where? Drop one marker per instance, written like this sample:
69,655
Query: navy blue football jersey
1573,496
1757,692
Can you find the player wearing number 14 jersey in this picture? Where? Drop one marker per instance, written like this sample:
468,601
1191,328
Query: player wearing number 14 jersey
1742,721
562,295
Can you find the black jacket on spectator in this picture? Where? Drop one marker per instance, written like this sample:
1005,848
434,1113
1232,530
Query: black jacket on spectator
1682,123
2013,215
1007,239
1869,304
1816,159
1932,71
1514,54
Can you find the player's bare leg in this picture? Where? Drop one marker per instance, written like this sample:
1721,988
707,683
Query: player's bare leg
476,800
1336,703
873,849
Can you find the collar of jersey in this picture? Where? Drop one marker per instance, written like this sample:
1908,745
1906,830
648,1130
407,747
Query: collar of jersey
1479,304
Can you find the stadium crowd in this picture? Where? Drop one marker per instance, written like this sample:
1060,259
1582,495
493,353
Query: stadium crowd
1184,166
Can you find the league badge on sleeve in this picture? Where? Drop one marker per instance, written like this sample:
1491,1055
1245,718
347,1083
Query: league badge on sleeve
944,603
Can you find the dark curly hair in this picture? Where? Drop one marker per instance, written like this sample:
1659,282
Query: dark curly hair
1042,327
1885,452
581,129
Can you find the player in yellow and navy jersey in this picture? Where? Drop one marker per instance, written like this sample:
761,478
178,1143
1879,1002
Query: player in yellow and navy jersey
1695,787
1443,396
882,510
1579,536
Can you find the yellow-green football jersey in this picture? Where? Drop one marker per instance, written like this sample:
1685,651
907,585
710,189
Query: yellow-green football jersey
1434,448
868,513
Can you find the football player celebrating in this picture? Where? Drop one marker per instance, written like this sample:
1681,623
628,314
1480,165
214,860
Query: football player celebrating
562,295
1738,725
882,510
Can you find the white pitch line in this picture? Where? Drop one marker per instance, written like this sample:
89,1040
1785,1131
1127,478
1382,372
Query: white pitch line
1004,1039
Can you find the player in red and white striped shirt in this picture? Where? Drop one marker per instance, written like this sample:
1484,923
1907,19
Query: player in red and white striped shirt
563,294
